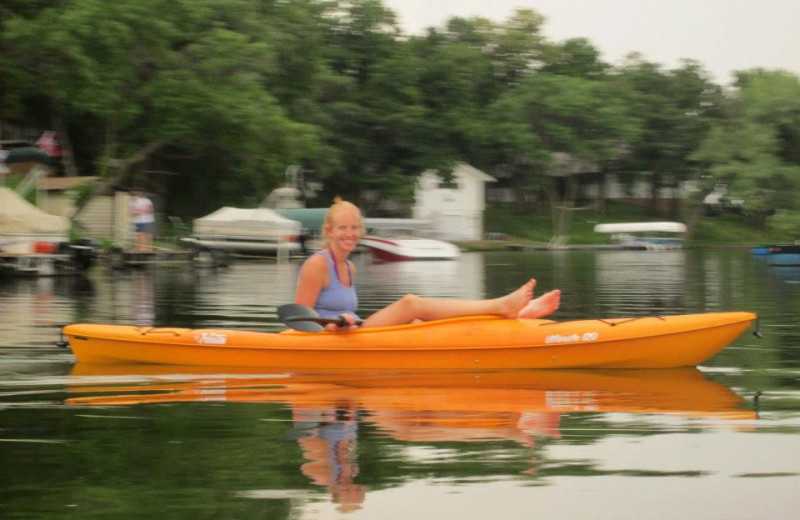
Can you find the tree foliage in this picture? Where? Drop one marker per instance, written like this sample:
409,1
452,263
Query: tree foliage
673,111
225,94
753,152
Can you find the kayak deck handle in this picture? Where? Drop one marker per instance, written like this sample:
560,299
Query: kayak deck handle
615,323
153,330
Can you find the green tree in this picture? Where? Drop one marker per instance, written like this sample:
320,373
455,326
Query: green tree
674,110
466,67
574,57
551,116
455,82
773,98
753,153
517,48
366,106
188,79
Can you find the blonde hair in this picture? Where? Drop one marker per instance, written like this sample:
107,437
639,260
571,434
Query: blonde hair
339,206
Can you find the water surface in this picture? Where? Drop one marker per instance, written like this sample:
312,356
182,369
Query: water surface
717,441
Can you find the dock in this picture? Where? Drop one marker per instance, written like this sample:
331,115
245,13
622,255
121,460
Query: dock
68,259
120,259
34,265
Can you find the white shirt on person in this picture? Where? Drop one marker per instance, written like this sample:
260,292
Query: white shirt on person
142,209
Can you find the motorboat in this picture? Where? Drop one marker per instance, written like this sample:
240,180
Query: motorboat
393,240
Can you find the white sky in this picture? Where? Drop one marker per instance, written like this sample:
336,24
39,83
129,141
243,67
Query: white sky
723,35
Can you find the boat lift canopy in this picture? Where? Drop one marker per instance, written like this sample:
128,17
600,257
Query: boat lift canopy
641,227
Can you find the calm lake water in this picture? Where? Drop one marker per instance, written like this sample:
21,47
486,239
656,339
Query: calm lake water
720,441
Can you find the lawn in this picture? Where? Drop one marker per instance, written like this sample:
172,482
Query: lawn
523,224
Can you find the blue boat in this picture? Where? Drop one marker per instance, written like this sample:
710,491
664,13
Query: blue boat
784,255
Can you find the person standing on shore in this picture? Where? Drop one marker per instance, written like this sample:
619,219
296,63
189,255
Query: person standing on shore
143,214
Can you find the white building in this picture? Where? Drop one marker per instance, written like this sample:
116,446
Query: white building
455,208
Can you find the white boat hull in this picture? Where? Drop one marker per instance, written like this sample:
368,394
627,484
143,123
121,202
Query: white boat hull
397,250
244,246
25,244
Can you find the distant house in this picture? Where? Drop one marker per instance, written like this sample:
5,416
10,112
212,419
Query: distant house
455,207
106,216
580,180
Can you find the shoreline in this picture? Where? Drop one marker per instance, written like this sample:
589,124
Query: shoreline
510,245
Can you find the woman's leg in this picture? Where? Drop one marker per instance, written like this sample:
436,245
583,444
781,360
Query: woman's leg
412,307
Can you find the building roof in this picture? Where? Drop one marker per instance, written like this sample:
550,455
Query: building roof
63,183
465,170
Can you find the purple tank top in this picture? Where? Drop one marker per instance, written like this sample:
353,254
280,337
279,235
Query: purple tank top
335,298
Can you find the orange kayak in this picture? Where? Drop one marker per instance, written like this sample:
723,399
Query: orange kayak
483,342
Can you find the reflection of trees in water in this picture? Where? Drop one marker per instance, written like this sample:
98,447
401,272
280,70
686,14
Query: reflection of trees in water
363,431
243,296
629,281
381,283
32,308
143,304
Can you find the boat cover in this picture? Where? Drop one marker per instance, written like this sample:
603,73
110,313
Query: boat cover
242,222
20,217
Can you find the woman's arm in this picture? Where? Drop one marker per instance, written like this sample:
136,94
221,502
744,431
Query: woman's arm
313,277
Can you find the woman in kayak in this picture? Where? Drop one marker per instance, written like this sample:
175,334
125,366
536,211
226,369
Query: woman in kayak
326,283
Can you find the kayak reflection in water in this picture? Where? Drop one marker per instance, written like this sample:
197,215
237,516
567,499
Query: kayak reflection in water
326,283
328,439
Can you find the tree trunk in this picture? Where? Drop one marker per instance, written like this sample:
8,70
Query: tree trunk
655,185
561,209
600,197
67,158
693,217
120,169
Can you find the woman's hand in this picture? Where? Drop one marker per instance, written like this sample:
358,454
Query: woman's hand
347,321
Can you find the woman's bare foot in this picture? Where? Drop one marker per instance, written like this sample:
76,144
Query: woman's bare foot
542,306
513,303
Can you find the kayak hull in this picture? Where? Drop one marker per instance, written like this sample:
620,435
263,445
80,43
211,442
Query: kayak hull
482,342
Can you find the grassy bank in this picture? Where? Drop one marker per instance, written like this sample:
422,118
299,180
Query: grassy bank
524,226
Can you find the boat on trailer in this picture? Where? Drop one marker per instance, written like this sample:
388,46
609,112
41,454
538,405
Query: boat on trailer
645,235
35,243
257,231
482,342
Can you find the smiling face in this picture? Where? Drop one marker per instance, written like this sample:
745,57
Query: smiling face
343,227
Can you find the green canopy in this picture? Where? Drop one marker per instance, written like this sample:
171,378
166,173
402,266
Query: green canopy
29,154
311,219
